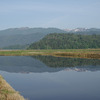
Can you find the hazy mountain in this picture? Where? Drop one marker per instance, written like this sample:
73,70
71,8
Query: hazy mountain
84,31
27,30
25,35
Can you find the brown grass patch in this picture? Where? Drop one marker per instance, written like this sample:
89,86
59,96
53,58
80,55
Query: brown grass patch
7,92
77,55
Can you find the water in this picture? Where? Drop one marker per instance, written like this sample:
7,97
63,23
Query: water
52,78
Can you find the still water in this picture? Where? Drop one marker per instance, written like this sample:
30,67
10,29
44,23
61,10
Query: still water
52,78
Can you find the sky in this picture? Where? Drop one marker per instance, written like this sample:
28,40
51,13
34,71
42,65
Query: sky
63,14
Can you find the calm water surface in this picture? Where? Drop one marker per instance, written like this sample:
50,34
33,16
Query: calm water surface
52,78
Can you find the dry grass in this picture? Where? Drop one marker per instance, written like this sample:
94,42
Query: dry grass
7,92
76,53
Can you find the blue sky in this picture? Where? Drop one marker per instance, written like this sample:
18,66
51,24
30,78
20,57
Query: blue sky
50,13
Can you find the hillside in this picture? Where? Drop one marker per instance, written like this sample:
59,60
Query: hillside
67,41
24,36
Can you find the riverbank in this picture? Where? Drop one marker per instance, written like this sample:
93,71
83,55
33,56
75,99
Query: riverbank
7,92
75,53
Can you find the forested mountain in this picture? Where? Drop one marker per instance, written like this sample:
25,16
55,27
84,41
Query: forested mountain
20,38
67,41
24,36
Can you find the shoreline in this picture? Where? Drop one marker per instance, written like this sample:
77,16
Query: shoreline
73,53
7,92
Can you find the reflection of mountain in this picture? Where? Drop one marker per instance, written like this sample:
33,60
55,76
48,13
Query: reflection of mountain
24,64
70,63
46,64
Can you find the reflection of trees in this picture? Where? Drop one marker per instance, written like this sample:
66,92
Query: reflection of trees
46,64
67,62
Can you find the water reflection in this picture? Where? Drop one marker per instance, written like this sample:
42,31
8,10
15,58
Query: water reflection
26,64
77,64
61,85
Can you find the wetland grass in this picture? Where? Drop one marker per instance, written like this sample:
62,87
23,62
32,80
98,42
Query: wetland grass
76,53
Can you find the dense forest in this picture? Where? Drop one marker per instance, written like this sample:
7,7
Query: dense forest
67,41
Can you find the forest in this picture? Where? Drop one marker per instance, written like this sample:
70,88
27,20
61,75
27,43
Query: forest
67,41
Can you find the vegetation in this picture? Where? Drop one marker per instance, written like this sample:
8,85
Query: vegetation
67,41
25,35
7,92
76,53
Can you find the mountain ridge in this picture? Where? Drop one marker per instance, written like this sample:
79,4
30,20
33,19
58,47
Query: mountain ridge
13,37
24,36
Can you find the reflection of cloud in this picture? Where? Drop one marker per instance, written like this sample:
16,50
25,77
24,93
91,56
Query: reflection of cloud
77,69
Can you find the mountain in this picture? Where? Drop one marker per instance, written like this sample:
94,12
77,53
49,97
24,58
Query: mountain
20,38
24,35
67,41
84,31
27,30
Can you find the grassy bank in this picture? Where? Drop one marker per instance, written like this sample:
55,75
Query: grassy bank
7,92
76,53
